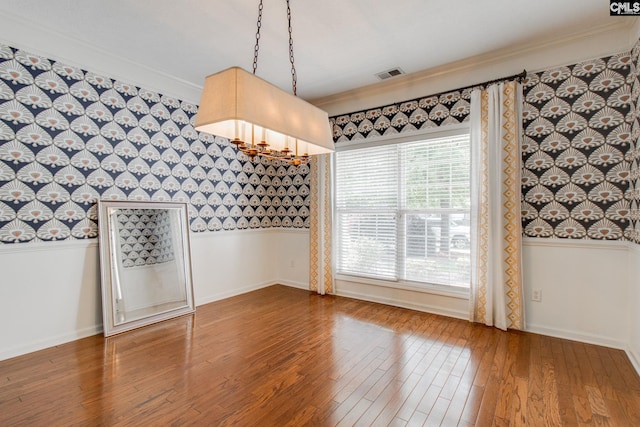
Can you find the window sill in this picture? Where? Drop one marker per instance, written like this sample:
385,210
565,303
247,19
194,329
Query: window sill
447,291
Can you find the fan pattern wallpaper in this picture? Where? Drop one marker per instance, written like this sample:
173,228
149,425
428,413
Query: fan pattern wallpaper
633,193
580,176
417,114
576,151
69,137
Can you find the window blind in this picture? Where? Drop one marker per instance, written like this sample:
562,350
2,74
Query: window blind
402,211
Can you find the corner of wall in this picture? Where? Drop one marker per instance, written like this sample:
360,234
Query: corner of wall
634,357
633,349
634,33
633,279
44,41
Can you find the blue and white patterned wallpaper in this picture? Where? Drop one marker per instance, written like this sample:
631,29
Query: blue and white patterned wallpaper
409,116
69,137
575,151
633,155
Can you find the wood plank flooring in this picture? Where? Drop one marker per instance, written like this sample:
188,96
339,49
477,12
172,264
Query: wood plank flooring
285,357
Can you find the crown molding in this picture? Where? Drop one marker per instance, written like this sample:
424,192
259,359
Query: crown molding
21,33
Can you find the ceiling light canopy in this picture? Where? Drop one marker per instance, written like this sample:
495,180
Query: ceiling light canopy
260,119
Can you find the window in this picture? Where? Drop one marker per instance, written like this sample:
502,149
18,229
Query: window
403,211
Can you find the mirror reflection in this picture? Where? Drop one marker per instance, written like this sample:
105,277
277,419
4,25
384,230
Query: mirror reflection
145,263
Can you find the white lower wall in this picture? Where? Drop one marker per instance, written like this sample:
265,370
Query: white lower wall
229,263
293,268
633,348
584,288
292,260
50,292
435,303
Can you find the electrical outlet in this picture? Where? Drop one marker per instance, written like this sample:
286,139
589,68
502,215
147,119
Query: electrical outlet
536,295
292,264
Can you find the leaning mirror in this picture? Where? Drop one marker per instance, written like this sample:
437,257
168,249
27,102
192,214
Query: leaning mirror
145,263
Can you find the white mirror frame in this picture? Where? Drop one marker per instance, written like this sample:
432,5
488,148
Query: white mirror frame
111,262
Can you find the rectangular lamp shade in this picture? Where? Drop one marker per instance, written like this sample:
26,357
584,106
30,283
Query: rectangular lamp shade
236,103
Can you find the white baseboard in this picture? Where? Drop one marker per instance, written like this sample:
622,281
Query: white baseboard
228,294
577,336
634,357
30,347
292,284
406,304
381,300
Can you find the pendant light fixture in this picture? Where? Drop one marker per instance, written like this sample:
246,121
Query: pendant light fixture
260,119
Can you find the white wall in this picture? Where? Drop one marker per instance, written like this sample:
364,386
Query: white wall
292,259
584,288
292,265
229,263
633,348
50,292
441,303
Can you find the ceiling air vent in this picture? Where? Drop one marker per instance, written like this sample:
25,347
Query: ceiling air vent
390,73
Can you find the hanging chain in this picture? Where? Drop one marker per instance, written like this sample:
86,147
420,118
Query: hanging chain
257,47
294,77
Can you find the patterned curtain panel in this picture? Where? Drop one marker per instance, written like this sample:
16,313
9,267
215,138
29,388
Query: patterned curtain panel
496,270
320,233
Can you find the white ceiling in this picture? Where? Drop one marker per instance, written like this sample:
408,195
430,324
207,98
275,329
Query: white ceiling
339,44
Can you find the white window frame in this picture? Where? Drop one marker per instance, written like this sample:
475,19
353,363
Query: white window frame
430,288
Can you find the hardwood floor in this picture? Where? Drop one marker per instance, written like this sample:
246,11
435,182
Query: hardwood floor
285,357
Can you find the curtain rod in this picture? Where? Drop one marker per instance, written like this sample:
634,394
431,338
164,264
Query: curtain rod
517,77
